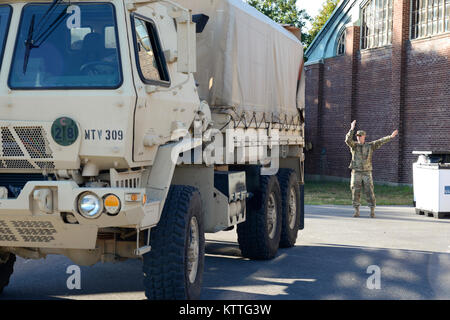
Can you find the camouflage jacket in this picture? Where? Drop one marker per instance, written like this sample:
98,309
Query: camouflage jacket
362,153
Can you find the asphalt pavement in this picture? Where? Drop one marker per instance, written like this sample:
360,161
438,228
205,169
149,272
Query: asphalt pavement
397,255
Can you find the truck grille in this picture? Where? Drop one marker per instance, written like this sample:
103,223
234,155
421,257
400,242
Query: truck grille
5,233
25,147
34,140
18,164
29,231
10,148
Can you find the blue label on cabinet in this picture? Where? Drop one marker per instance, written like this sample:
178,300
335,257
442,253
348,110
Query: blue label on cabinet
447,190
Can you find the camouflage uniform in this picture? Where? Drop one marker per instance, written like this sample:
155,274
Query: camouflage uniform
361,166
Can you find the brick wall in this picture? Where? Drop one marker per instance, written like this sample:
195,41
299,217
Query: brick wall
427,99
404,85
313,101
373,111
335,115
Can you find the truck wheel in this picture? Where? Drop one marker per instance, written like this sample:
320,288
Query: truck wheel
290,196
6,270
173,269
259,235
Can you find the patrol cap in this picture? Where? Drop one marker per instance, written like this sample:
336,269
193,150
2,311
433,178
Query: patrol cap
361,133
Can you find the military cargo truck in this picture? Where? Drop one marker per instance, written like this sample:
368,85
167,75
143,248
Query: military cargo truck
130,128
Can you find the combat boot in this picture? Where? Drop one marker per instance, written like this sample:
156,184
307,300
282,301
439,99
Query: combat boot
356,215
372,212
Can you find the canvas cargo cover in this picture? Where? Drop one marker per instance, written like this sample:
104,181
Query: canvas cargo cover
247,61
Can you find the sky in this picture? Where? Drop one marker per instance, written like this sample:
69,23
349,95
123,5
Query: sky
312,7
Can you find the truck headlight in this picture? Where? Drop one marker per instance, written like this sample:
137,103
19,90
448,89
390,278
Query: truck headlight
89,205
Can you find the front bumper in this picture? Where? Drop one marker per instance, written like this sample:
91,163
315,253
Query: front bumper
35,217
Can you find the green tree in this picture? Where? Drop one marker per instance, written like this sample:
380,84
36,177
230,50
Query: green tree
283,12
320,20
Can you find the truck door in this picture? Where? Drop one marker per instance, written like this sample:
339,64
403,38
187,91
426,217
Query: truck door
150,33
167,99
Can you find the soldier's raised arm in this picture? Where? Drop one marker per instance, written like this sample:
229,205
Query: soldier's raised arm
378,143
349,136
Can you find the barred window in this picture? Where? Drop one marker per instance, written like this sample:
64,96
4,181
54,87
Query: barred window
340,49
376,26
429,17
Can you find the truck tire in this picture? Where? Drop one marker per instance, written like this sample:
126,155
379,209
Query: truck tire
259,235
290,199
173,269
6,270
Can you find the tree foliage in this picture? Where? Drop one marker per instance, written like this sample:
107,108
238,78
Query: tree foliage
283,12
320,20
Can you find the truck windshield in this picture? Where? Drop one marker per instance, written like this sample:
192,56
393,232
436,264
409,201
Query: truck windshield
66,46
5,15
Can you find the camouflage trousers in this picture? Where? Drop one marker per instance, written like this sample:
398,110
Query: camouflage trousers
362,181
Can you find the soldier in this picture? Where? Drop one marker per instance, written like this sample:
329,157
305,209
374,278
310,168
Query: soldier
361,166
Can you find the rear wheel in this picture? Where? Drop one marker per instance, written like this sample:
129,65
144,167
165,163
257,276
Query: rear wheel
290,195
6,269
259,235
173,269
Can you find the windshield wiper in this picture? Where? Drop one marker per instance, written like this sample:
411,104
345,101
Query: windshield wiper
45,34
47,14
30,43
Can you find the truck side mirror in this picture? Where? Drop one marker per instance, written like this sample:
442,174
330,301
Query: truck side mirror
187,46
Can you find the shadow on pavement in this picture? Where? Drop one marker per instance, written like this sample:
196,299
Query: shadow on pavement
47,279
302,272
325,272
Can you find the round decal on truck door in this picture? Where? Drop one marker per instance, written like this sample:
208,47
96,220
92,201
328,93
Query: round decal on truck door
64,131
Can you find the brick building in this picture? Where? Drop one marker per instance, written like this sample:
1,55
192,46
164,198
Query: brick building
386,64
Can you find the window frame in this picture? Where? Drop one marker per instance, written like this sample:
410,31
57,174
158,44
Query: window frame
386,21
413,35
3,45
119,57
158,51
339,43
